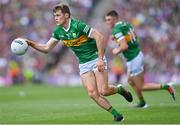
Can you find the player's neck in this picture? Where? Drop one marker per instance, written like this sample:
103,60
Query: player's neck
115,22
67,24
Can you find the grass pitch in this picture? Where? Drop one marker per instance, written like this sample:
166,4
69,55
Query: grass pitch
43,104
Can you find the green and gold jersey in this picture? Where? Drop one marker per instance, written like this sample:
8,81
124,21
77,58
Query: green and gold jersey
77,38
123,30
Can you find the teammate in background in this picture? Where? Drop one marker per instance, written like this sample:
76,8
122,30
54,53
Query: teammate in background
128,44
88,46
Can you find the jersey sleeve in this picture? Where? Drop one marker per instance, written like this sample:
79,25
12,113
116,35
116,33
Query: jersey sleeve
55,36
120,31
84,28
118,35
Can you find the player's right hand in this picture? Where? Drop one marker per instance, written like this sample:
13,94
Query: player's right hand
100,65
115,51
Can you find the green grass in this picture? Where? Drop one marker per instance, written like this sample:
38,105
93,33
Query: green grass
43,104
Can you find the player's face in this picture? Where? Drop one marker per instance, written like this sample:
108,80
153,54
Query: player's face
59,17
110,21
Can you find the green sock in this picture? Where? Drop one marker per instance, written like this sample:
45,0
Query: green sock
113,111
165,86
142,101
120,90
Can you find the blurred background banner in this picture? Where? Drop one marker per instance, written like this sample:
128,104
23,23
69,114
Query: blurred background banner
156,22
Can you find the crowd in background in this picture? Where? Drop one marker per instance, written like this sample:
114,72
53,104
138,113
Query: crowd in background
155,22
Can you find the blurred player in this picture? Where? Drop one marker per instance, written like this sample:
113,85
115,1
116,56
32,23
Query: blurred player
88,45
128,44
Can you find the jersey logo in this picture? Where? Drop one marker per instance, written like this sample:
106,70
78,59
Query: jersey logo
69,35
74,35
61,36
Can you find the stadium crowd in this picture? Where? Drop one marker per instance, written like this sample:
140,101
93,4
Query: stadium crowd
156,23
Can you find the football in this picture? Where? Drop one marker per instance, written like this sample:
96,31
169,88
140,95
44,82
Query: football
19,46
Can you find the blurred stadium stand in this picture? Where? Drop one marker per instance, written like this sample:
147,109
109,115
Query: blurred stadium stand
156,23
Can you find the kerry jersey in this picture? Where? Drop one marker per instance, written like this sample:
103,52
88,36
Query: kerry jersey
77,38
123,30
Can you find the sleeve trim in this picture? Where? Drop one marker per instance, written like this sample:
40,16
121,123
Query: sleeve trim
90,32
54,39
120,38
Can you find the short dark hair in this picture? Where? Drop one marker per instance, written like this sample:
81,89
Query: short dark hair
63,7
112,13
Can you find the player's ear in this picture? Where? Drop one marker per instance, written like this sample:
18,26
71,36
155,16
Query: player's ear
66,15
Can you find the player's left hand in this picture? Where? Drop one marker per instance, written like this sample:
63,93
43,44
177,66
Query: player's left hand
100,65
115,51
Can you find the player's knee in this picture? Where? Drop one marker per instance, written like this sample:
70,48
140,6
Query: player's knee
93,94
130,82
104,91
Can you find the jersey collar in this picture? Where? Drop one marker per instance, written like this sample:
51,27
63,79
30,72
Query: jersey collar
68,26
117,23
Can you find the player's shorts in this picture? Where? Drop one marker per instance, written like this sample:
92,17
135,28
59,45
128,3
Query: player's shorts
136,66
91,66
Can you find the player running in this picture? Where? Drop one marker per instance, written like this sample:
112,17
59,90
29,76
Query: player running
125,37
88,45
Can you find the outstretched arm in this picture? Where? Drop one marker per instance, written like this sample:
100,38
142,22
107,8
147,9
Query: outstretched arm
45,48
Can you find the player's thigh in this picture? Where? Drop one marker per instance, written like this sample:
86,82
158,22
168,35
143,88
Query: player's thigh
102,80
89,82
138,80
